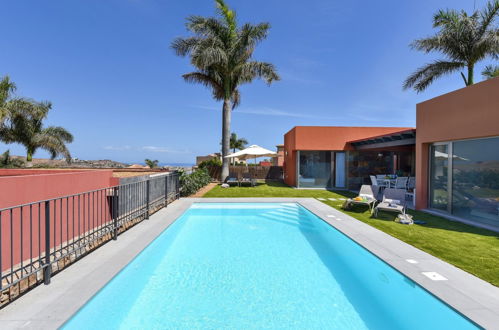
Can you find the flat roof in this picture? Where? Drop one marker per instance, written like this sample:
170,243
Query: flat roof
405,135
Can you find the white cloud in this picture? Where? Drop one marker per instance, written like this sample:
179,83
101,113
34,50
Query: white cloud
266,111
164,150
117,148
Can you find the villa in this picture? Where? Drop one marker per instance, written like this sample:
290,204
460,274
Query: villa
453,153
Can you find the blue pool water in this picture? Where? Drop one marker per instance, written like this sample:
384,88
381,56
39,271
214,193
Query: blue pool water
260,265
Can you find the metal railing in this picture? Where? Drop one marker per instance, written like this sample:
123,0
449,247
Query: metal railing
41,238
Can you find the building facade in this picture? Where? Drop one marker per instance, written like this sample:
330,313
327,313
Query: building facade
454,155
457,154
344,157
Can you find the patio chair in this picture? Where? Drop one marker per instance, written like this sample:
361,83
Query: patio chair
382,180
367,196
393,201
377,182
411,183
232,179
401,183
246,178
411,189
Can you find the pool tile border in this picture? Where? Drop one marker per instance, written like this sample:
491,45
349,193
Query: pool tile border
48,307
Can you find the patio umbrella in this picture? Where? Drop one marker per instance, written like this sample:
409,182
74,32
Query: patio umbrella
252,151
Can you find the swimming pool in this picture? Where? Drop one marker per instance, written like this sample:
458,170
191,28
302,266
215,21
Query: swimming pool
260,265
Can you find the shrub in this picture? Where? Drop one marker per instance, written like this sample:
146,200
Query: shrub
214,162
6,161
190,183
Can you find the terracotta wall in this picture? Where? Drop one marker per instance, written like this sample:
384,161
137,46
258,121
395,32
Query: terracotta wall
25,186
289,165
324,138
471,112
27,224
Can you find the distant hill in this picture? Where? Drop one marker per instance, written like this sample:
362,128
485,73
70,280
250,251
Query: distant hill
79,163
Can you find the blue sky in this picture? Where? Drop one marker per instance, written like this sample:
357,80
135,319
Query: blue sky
114,82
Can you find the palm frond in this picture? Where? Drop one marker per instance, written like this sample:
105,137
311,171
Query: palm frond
53,144
491,71
58,132
425,75
445,17
184,46
251,70
488,15
206,80
228,15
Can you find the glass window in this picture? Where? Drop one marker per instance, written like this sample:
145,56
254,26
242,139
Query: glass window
439,159
340,170
475,180
314,169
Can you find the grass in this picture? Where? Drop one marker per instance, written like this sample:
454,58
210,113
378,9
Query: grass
472,249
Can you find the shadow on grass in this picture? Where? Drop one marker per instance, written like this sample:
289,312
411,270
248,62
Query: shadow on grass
431,221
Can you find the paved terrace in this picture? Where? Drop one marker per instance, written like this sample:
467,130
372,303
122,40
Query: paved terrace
49,306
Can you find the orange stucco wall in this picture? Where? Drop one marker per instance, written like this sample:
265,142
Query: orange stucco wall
471,112
24,186
324,138
20,186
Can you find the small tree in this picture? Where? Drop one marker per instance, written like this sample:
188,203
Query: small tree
25,126
151,163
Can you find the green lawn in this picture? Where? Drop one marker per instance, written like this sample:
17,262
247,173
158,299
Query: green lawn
472,249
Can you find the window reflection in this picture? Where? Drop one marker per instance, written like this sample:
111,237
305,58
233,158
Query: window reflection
475,172
315,169
439,176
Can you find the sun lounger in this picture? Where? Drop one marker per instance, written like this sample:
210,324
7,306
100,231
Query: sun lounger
247,179
367,196
232,179
393,201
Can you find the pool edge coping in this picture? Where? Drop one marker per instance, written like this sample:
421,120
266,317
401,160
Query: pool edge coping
49,307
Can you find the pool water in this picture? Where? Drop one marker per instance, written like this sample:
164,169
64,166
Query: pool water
260,265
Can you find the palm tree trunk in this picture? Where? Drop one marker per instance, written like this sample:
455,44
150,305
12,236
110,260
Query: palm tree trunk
29,158
470,74
226,118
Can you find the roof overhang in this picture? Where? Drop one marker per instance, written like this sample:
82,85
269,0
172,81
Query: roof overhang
402,138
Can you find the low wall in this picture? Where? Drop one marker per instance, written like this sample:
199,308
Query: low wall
21,186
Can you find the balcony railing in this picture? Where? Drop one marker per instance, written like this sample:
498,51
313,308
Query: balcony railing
39,239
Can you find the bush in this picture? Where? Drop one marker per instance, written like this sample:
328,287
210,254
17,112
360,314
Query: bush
192,182
214,162
6,161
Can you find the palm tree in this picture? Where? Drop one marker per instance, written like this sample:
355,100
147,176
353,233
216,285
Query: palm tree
26,128
463,39
221,51
236,143
490,72
151,163
7,87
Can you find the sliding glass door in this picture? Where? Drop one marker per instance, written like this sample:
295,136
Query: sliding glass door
464,179
321,169
439,176
314,169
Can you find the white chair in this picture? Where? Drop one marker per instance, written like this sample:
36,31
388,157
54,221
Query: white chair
367,196
401,183
393,201
378,180
411,190
411,183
